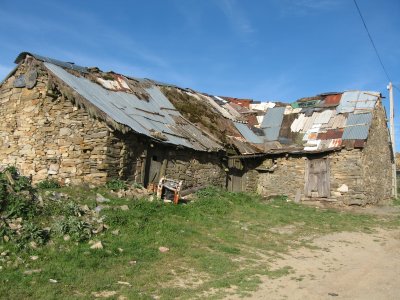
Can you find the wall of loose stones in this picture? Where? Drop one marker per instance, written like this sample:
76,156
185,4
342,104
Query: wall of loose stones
46,137
195,168
346,177
377,160
288,177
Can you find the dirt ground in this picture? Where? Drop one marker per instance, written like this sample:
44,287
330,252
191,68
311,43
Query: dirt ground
346,265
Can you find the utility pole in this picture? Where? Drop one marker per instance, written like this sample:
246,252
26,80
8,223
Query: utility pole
394,179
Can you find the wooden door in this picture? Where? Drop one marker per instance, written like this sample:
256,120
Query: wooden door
153,167
236,181
317,178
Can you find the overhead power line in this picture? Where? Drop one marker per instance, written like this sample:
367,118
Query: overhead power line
372,42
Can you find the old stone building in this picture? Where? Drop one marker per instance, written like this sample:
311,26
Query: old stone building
82,125
333,147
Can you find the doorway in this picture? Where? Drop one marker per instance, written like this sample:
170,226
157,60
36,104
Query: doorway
317,175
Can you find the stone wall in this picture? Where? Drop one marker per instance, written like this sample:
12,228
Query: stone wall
286,177
196,169
45,135
377,160
346,177
357,176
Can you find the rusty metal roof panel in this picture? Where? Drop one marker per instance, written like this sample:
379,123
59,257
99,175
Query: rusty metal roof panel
144,117
357,132
332,100
244,147
248,134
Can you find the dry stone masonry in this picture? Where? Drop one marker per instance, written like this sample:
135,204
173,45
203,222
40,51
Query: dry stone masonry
82,126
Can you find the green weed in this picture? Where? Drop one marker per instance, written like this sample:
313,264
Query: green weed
48,184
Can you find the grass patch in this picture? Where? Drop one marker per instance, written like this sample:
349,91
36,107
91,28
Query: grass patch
219,242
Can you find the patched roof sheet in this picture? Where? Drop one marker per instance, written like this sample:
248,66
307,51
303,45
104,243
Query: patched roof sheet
319,123
157,114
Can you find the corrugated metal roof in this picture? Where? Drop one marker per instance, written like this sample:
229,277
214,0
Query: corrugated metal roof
232,111
357,100
337,121
248,134
308,122
323,117
366,101
332,100
144,117
53,61
357,132
348,102
219,108
272,133
244,147
359,119
295,126
273,117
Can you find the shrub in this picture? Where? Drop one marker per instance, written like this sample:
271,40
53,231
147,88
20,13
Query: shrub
116,184
77,229
31,232
17,196
49,183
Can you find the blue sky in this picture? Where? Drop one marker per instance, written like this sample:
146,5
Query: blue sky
277,50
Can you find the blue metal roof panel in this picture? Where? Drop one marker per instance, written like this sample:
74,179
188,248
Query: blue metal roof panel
348,102
273,117
248,134
359,119
367,101
357,132
159,98
272,133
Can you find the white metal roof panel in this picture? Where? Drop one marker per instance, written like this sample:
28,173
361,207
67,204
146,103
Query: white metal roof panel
323,117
